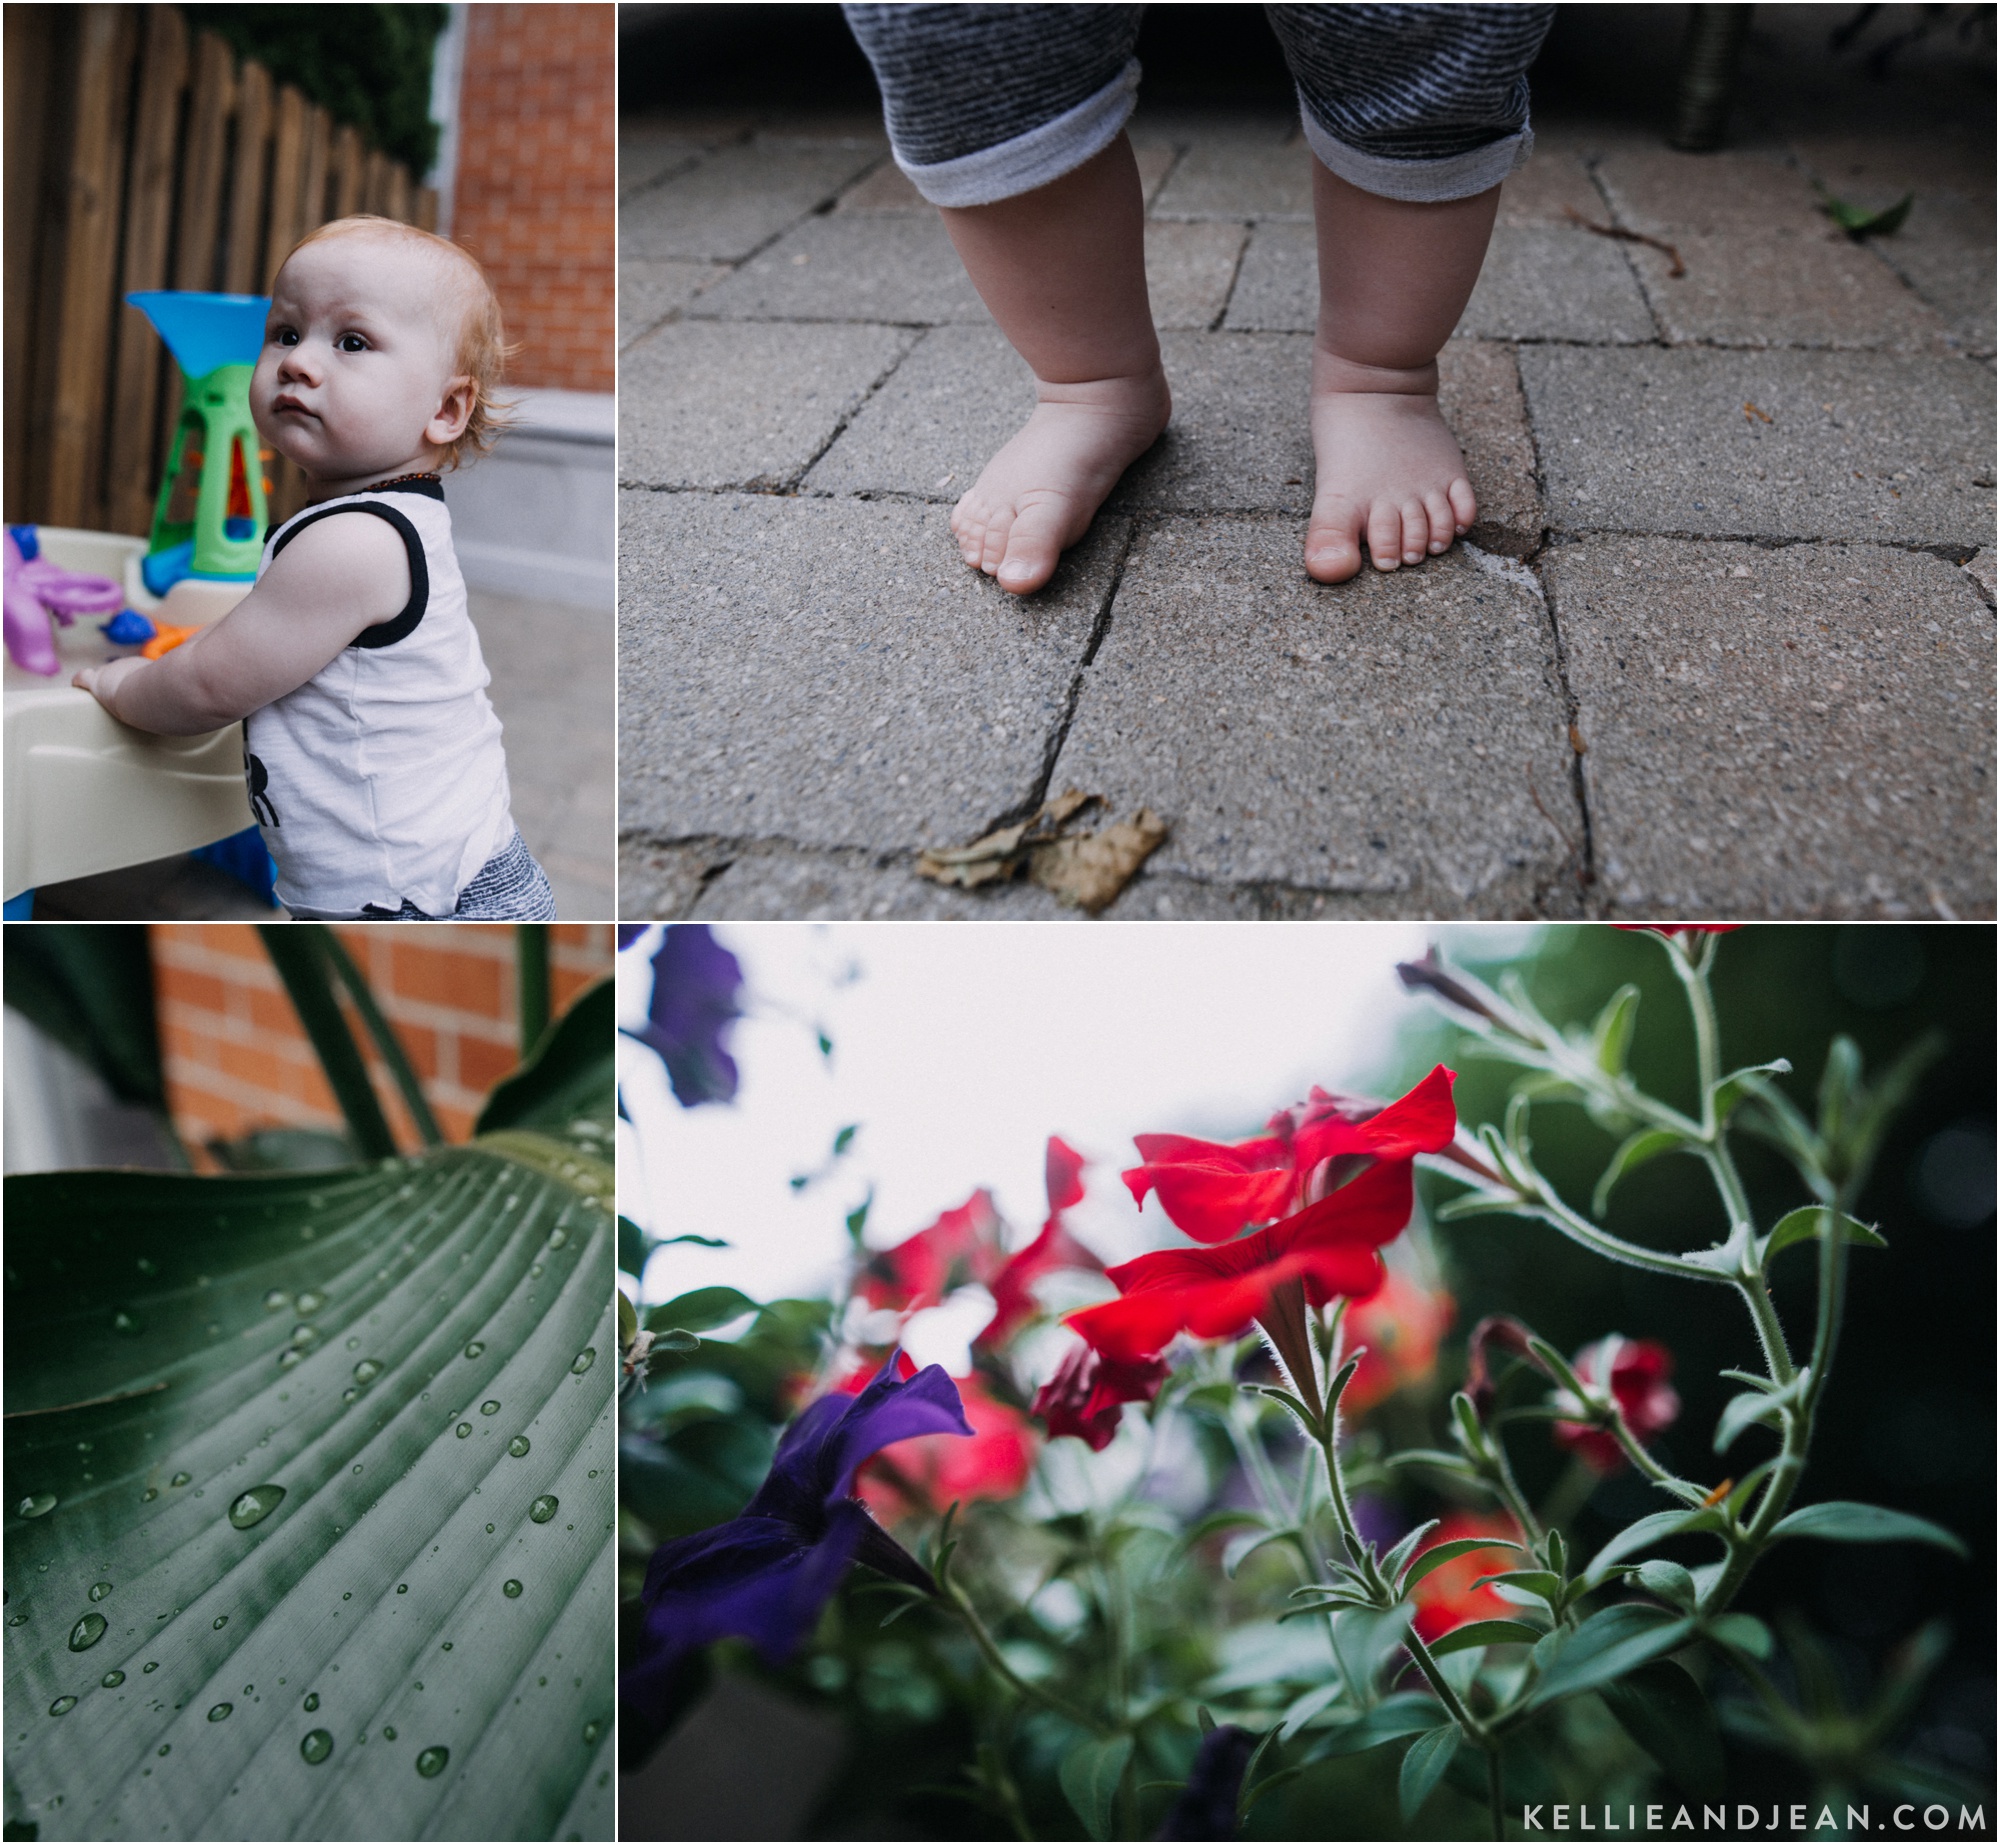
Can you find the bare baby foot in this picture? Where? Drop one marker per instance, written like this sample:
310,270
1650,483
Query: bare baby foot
1388,471
1038,495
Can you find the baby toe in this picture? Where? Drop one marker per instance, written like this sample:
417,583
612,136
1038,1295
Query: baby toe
1464,504
1437,510
1416,530
1034,544
1333,545
1385,534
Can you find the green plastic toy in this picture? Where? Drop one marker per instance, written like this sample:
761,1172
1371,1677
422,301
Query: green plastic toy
215,340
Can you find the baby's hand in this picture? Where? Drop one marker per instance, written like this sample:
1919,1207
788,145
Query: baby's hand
102,682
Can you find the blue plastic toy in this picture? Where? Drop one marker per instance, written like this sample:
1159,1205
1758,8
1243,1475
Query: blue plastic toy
128,628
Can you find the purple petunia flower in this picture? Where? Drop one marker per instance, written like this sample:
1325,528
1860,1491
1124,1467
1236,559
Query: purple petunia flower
695,986
765,1574
1206,1808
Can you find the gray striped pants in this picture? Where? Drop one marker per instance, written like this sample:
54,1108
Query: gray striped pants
1410,102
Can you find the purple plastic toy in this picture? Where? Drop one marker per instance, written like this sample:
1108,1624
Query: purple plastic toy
38,590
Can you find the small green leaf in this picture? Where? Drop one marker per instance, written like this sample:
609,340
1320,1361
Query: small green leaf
1609,1645
1858,221
1668,1581
1485,1633
1090,1774
845,1138
677,1340
1740,1412
1237,1551
1642,1532
700,1310
1744,1632
1731,1090
1440,1554
1810,1221
1424,1763
1635,1151
1846,1521
1663,1710
633,1247
1542,1585
1394,1561
1611,1036
628,1321
1303,1710
1404,1713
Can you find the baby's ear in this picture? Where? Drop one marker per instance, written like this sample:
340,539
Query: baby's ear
454,411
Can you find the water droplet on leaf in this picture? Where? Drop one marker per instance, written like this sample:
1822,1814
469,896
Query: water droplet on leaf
36,1505
216,1712
475,1348
584,1360
180,1479
518,1446
388,1732
367,1371
87,1632
317,1746
99,1590
254,1506
125,1323
544,1508
311,1301
112,1679
558,1237
276,1299
510,1588
431,1762
312,1700
463,1430
149,1495
593,1730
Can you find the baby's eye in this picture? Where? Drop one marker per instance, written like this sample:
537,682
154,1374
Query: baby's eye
285,336
352,342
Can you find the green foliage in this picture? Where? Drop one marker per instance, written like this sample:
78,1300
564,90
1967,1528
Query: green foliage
309,1479
369,65
91,989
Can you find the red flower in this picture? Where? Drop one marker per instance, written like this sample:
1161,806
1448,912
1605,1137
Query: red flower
927,1473
962,1246
1054,1248
1400,1326
1446,1598
1328,1248
1211,1190
1636,1371
1681,928
1086,1396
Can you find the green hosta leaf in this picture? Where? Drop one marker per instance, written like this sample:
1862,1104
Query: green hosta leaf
1633,1152
700,1310
1485,1633
565,1088
1609,1645
1424,1763
1846,1521
1809,1221
240,1484
1090,1774
1440,1554
1663,1710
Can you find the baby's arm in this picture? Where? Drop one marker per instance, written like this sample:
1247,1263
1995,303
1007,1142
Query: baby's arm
338,577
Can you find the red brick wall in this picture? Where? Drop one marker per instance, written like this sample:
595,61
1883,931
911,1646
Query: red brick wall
237,1058
534,196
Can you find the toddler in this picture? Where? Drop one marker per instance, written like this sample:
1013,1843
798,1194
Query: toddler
373,756
1011,119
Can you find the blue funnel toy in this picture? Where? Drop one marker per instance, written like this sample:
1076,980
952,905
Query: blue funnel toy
214,503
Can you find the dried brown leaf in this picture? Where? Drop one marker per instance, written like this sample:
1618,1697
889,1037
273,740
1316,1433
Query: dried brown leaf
1088,871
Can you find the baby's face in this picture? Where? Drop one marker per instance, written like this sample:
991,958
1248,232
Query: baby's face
356,370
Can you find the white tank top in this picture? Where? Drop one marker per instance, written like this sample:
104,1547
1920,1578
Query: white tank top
382,777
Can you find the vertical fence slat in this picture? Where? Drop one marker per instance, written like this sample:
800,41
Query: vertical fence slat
90,264
424,213
246,180
204,163
397,205
33,63
312,173
288,149
350,161
375,186
149,199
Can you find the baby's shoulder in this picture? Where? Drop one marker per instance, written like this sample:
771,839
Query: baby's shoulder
353,549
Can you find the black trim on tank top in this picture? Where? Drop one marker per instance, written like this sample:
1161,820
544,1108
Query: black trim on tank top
402,625
430,489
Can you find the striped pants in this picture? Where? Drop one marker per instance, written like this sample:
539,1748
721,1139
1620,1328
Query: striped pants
1421,103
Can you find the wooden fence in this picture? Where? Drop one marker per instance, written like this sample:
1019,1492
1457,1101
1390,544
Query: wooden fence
140,155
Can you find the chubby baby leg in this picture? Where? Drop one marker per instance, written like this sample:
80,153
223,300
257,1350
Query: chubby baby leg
1394,278
1063,271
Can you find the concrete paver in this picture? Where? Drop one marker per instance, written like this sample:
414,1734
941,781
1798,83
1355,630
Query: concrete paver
894,269
1389,736
1479,395
706,405
553,672
1190,269
735,200
1859,445
1256,170
829,672
649,291
1796,732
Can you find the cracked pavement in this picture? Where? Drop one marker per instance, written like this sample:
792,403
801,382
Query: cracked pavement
1722,644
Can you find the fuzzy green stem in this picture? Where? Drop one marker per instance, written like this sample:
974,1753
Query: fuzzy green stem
1494,1803
989,1650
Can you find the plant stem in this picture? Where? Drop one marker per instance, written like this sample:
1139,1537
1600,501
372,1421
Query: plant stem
1427,1664
990,1652
1493,1794
531,957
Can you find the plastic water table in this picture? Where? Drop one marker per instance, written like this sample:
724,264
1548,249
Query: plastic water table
85,793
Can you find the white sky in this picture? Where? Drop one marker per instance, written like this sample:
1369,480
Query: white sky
959,1048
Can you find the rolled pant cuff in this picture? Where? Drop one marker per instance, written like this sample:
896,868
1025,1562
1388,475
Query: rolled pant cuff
1034,159
1419,182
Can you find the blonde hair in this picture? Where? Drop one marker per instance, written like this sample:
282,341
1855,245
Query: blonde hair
481,351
